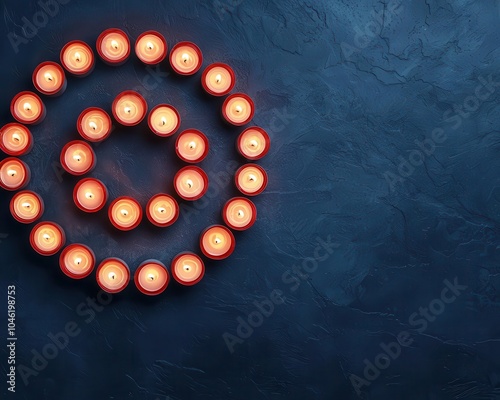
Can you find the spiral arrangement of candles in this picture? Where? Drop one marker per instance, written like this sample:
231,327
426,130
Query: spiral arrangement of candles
129,108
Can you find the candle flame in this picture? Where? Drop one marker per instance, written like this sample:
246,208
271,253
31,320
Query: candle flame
78,260
252,178
114,44
189,183
238,109
78,56
48,77
93,125
163,121
185,58
187,268
218,78
150,45
128,110
112,276
151,277
12,172
192,145
26,205
16,137
77,157
46,237
89,195
217,240
162,210
124,212
27,106
241,214
254,143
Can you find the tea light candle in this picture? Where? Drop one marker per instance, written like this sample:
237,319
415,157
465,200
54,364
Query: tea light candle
77,157
164,120
217,242
14,174
191,146
77,261
113,275
27,108
47,238
151,277
187,268
125,213
77,58
238,109
239,213
251,179
113,46
90,195
129,108
218,79
186,58
253,143
26,207
94,124
191,183
162,210
151,47
49,79
15,139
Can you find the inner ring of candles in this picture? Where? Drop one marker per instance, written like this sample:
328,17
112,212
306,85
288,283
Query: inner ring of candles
77,57
78,260
163,209
150,48
115,46
126,213
95,124
164,120
217,241
188,267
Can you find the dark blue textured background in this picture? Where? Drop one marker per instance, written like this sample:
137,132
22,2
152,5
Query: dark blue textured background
338,121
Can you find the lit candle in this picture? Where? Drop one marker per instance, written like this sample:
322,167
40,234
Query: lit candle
151,277
151,47
217,242
187,268
191,183
77,157
218,79
27,108
26,207
251,179
186,58
15,139
14,174
129,108
113,275
162,210
113,46
90,195
77,261
164,120
191,146
125,213
49,78
94,124
47,238
77,58
253,143
239,213
238,109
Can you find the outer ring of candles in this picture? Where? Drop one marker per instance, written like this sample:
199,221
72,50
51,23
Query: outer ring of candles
46,252
117,261
115,224
222,256
264,184
202,136
43,110
150,217
165,49
29,140
247,98
138,284
266,138
24,220
84,72
250,223
105,58
66,271
207,70
79,126
174,272
75,195
155,131
65,165
197,51
205,181
27,174
55,65
117,99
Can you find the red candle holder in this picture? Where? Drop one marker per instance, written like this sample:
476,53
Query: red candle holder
129,108
128,217
90,195
26,207
191,183
253,143
246,175
113,275
218,79
78,158
28,108
162,210
186,58
77,261
151,47
15,139
49,79
113,46
94,124
151,278
217,242
239,213
14,174
164,120
77,58
187,268
192,146
238,109
47,238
